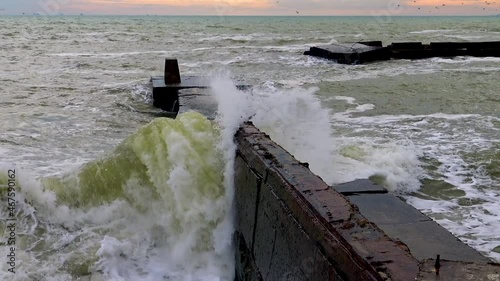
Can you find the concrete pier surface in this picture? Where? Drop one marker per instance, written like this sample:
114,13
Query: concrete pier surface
293,226
370,51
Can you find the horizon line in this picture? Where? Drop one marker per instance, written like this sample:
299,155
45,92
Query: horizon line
238,15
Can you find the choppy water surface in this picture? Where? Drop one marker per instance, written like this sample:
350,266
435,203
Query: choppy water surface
105,193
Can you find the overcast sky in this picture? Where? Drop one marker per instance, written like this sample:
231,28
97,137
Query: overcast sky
253,7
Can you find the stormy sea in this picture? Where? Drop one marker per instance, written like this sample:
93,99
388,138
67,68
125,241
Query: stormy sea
96,185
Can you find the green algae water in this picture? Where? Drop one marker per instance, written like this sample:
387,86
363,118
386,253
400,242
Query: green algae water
107,191
145,160
158,198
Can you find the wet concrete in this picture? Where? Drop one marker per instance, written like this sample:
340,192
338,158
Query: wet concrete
351,53
364,52
363,186
424,237
295,227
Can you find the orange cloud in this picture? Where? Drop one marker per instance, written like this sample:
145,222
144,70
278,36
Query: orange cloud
186,3
172,7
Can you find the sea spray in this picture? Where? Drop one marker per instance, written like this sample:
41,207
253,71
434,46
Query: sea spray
190,185
295,119
232,111
148,211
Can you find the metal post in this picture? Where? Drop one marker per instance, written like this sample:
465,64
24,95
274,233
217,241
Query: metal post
172,74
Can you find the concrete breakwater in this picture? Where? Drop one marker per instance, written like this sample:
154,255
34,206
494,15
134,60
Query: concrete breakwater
290,225
293,226
370,51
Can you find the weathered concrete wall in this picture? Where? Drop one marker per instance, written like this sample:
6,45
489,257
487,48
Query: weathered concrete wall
293,226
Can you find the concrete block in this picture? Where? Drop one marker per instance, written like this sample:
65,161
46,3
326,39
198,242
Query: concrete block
386,209
163,97
198,100
407,46
351,53
359,186
465,45
371,43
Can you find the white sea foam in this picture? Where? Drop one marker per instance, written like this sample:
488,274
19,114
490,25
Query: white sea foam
465,60
112,55
467,37
234,38
358,72
387,119
286,48
431,31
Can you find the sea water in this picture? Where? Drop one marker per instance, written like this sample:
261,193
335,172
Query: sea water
105,190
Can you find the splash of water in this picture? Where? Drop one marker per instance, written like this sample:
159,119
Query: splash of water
151,210
294,118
